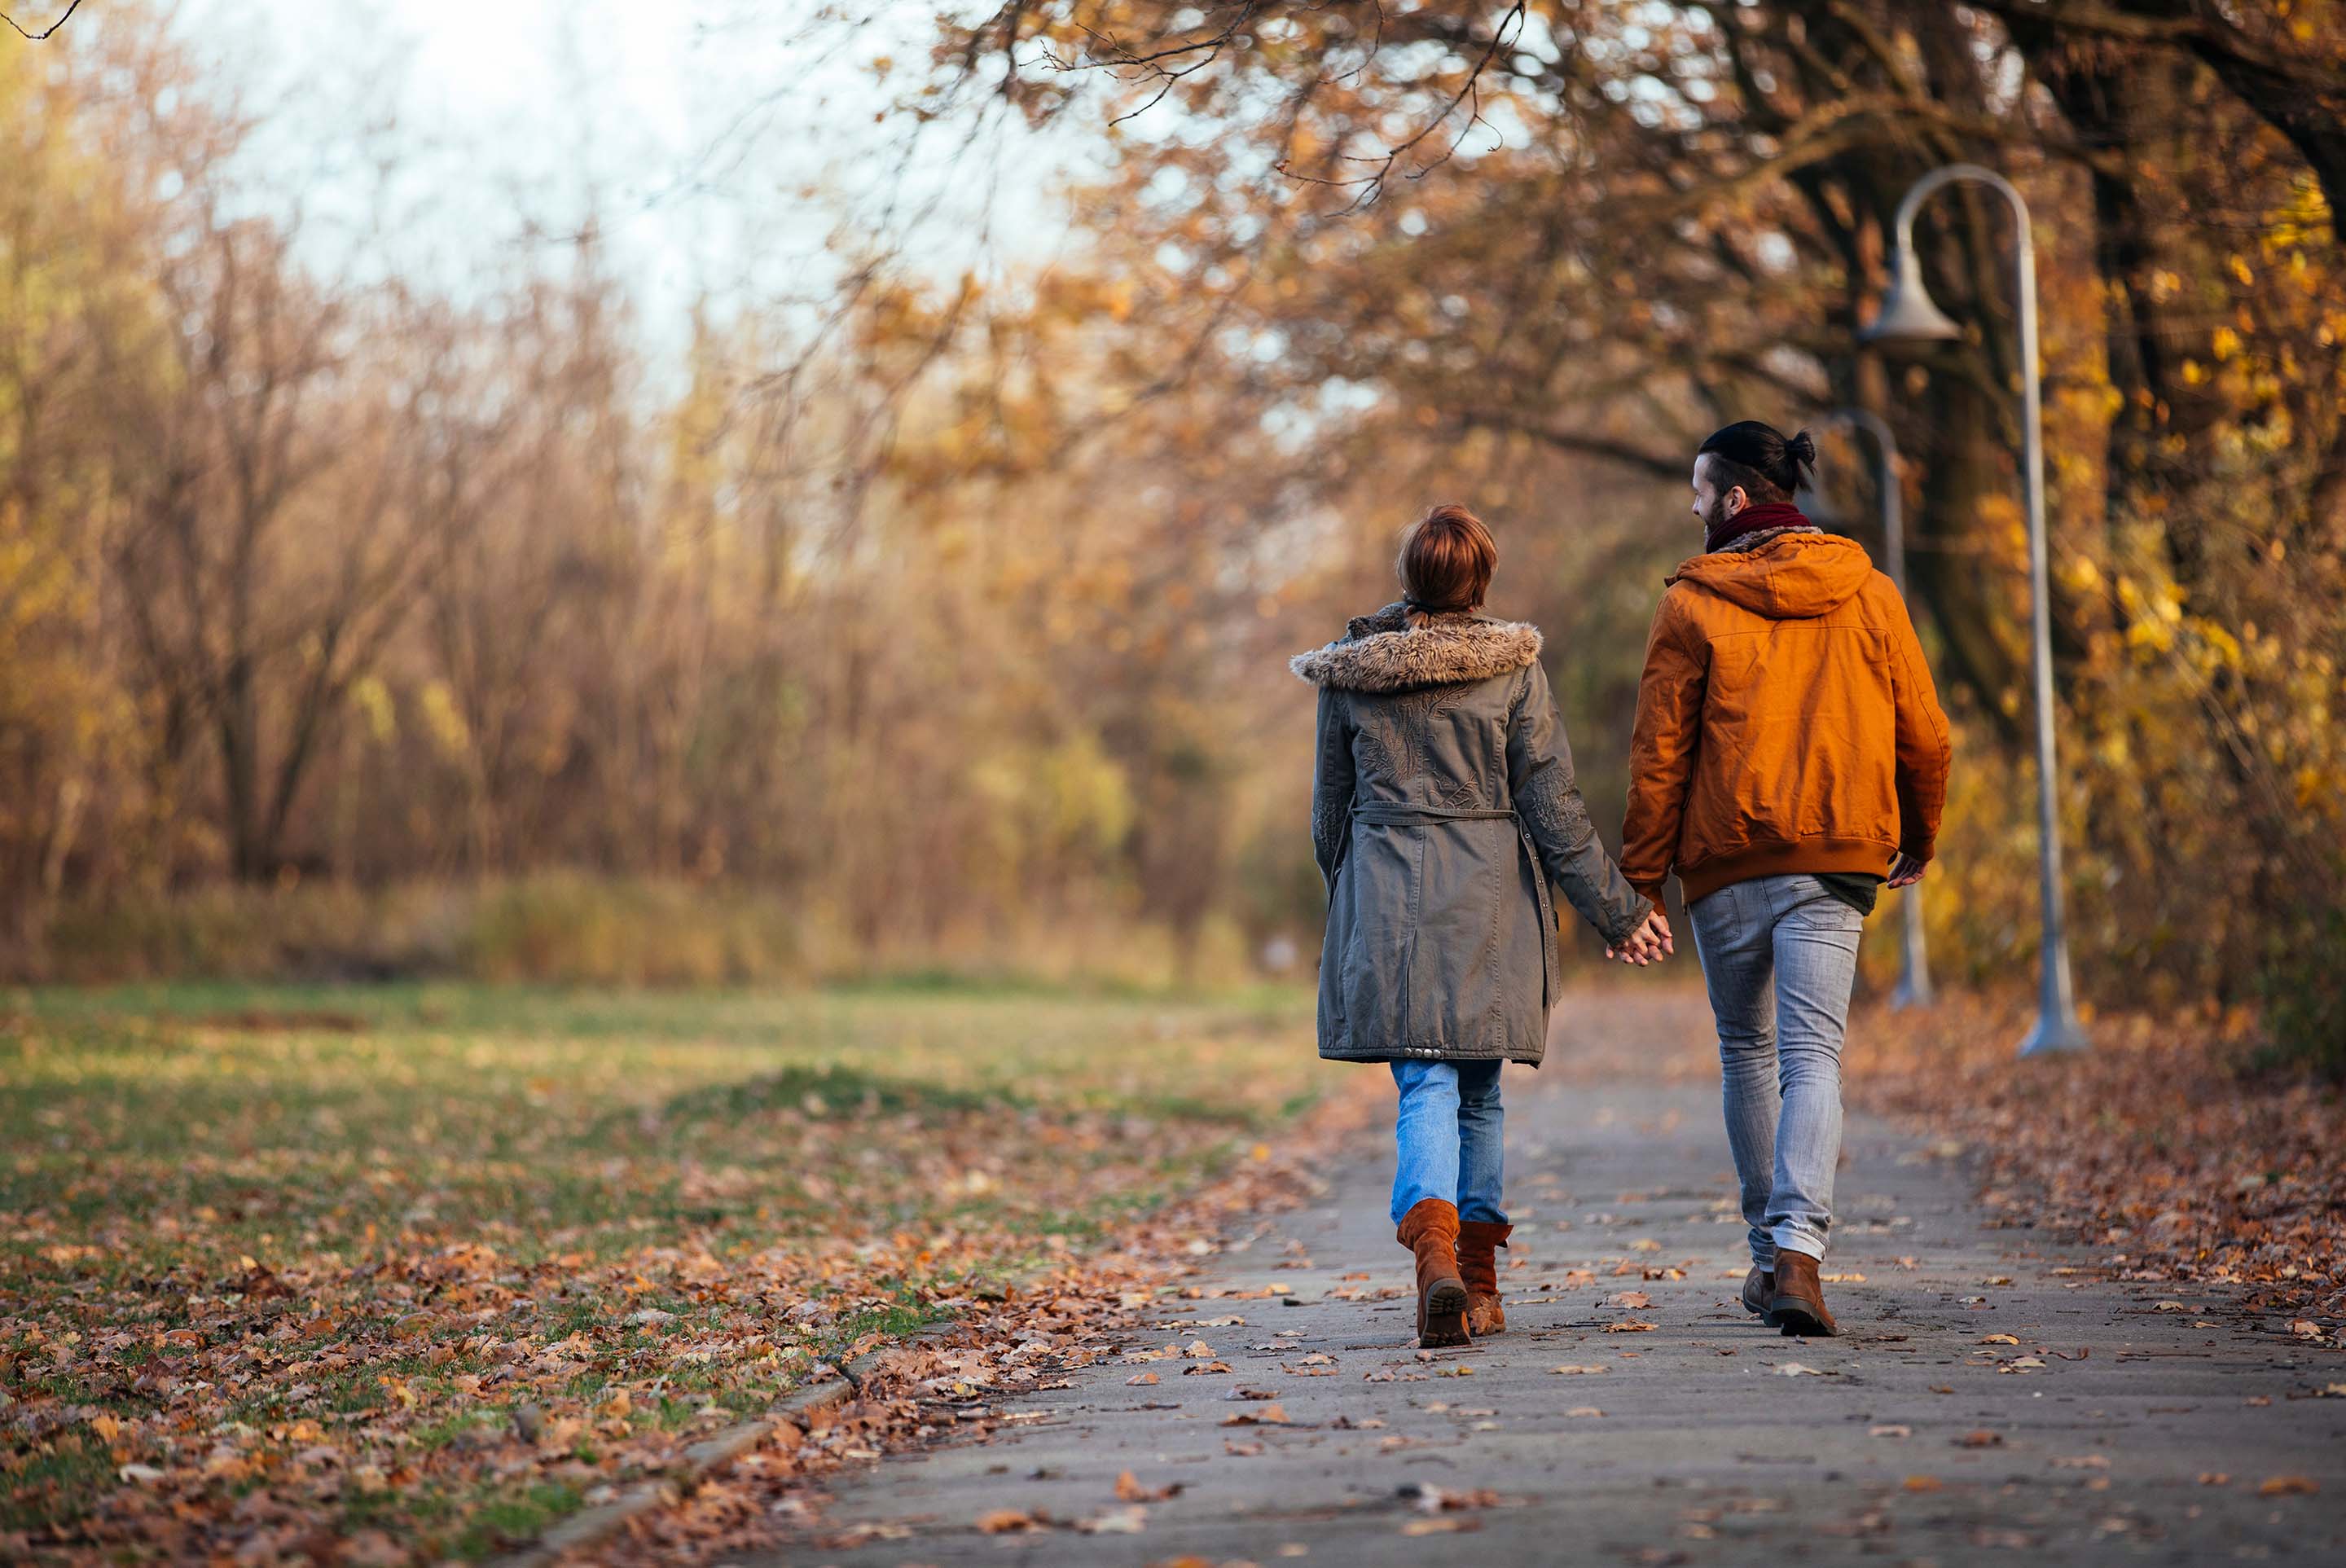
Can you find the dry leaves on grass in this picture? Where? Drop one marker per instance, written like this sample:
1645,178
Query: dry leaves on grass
442,1284
2162,1146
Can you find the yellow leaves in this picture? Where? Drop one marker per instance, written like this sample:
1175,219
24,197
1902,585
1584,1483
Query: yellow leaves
2224,344
443,721
373,700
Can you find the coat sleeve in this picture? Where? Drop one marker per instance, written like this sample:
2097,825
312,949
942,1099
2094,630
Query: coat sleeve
1923,750
1662,748
1332,786
1547,799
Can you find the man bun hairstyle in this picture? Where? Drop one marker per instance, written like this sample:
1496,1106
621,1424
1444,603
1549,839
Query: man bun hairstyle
1759,458
1446,560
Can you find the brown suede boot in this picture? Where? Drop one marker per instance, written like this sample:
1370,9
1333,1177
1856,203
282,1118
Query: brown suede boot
1478,1265
1430,1230
1758,1287
1798,1306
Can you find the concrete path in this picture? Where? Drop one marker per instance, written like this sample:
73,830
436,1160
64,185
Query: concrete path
2115,1423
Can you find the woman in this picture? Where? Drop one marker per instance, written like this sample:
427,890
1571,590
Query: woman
1443,808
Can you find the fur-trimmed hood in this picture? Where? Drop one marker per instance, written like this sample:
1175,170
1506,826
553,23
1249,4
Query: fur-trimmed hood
1382,652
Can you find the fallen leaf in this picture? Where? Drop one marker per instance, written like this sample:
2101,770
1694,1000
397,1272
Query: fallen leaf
1798,1369
1270,1415
1980,1440
1139,1378
1129,1489
2287,1486
1629,1326
1890,1431
1921,1484
1008,1522
1116,1522
1573,1370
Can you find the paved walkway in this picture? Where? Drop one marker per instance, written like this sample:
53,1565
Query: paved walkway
2115,1423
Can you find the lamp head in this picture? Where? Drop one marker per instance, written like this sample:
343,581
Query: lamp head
1907,310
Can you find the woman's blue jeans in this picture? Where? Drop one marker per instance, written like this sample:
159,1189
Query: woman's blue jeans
1447,1134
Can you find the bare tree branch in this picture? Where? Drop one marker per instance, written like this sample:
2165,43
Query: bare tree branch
73,7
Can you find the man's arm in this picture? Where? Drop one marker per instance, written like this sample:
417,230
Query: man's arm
1662,749
1923,751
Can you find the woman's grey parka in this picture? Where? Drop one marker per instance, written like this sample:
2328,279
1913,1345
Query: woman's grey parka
1443,811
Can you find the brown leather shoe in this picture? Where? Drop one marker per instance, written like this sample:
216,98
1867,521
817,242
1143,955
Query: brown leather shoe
1478,1265
1430,1229
1759,1285
1798,1307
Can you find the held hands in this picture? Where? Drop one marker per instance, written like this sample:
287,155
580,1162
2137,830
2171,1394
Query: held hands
1650,943
1906,871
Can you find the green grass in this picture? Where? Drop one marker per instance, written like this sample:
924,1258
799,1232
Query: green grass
458,1200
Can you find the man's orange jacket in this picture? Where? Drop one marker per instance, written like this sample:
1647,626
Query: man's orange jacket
1785,722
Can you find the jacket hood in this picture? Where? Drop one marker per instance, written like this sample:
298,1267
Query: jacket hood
1382,652
1790,577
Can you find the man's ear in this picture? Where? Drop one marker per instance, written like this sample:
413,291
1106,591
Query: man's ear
1737,499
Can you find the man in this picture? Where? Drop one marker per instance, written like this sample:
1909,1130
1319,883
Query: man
1790,756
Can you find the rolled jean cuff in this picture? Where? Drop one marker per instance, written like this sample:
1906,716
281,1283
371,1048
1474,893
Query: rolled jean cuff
1790,1240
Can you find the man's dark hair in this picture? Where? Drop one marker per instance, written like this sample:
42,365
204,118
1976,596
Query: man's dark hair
1757,457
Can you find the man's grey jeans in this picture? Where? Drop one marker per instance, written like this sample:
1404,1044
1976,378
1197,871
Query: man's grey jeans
1779,955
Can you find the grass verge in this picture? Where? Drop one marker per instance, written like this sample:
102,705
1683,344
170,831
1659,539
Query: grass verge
417,1269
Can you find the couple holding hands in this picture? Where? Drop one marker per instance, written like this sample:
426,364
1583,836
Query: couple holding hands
1789,757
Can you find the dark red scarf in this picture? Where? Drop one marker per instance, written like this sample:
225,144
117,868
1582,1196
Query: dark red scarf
1751,520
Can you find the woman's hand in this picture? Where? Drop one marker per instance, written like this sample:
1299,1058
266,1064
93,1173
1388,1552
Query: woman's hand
1906,871
1648,944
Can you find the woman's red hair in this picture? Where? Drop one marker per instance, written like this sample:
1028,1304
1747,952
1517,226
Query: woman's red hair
1446,561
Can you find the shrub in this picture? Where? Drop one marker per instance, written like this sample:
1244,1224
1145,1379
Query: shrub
2304,987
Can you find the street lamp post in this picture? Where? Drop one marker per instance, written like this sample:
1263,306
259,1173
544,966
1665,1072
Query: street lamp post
1908,313
1914,989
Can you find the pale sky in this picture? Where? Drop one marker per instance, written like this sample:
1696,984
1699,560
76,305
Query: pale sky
722,142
